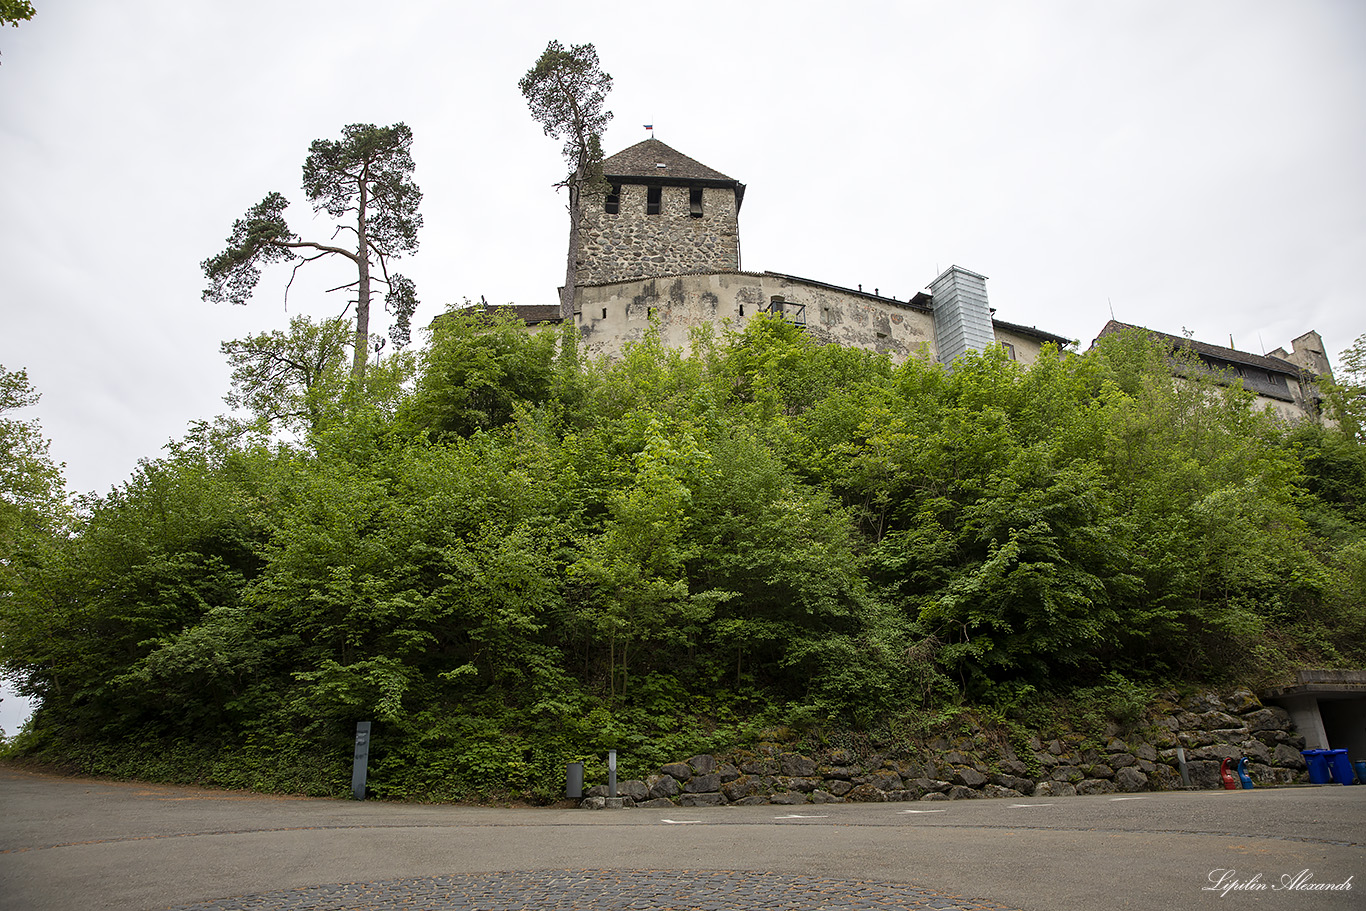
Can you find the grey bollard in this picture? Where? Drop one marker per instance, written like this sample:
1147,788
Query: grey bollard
358,767
574,781
611,773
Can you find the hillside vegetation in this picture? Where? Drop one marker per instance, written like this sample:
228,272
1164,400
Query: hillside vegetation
508,558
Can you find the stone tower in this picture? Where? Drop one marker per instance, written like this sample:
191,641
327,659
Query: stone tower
665,214
1306,352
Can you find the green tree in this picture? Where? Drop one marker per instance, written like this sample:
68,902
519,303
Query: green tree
367,176
32,491
13,12
479,368
28,477
789,555
34,515
141,566
1346,398
288,378
1353,362
636,568
566,91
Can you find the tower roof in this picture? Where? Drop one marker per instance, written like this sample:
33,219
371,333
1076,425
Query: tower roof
653,160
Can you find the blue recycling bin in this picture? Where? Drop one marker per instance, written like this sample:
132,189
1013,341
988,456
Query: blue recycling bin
1339,766
1361,771
1318,766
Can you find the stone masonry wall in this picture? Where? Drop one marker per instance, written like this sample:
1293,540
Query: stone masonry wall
632,244
1209,726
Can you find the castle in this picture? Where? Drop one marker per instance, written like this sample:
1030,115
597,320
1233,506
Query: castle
662,245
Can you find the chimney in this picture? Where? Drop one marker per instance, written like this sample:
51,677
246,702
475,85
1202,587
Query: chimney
962,317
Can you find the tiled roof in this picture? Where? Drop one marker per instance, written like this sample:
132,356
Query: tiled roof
916,302
1033,332
1206,350
531,314
643,160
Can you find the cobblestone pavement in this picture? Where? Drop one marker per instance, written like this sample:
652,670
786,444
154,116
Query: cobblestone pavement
579,890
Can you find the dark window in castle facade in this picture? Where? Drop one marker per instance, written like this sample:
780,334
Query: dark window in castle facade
1010,350
652,195
613,204
794,313
695,202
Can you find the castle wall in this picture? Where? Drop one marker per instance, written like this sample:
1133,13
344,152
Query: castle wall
1301,407
633,244
1288,411
1025,347
612,315
1289,397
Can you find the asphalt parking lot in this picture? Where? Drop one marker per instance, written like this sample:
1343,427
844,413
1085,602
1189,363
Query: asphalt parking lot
70,843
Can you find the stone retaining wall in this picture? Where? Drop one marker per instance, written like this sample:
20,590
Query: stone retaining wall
1209,726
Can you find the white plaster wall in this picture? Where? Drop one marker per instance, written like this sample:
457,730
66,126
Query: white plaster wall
1027,347
609,316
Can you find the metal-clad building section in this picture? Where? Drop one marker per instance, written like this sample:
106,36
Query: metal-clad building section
962,317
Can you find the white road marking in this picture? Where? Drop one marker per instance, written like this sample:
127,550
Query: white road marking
800,816
1015,805
1128,798
680,822
923,811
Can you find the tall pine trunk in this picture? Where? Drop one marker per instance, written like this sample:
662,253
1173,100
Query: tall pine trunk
571,267
362,285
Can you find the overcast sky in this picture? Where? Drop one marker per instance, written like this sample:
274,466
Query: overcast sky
1190,165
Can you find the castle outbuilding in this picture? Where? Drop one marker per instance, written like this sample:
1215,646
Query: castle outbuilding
1283,381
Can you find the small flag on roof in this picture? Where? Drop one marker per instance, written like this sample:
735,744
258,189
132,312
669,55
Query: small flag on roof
649,126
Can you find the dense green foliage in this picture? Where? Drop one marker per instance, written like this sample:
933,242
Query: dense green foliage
519,559
33,503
